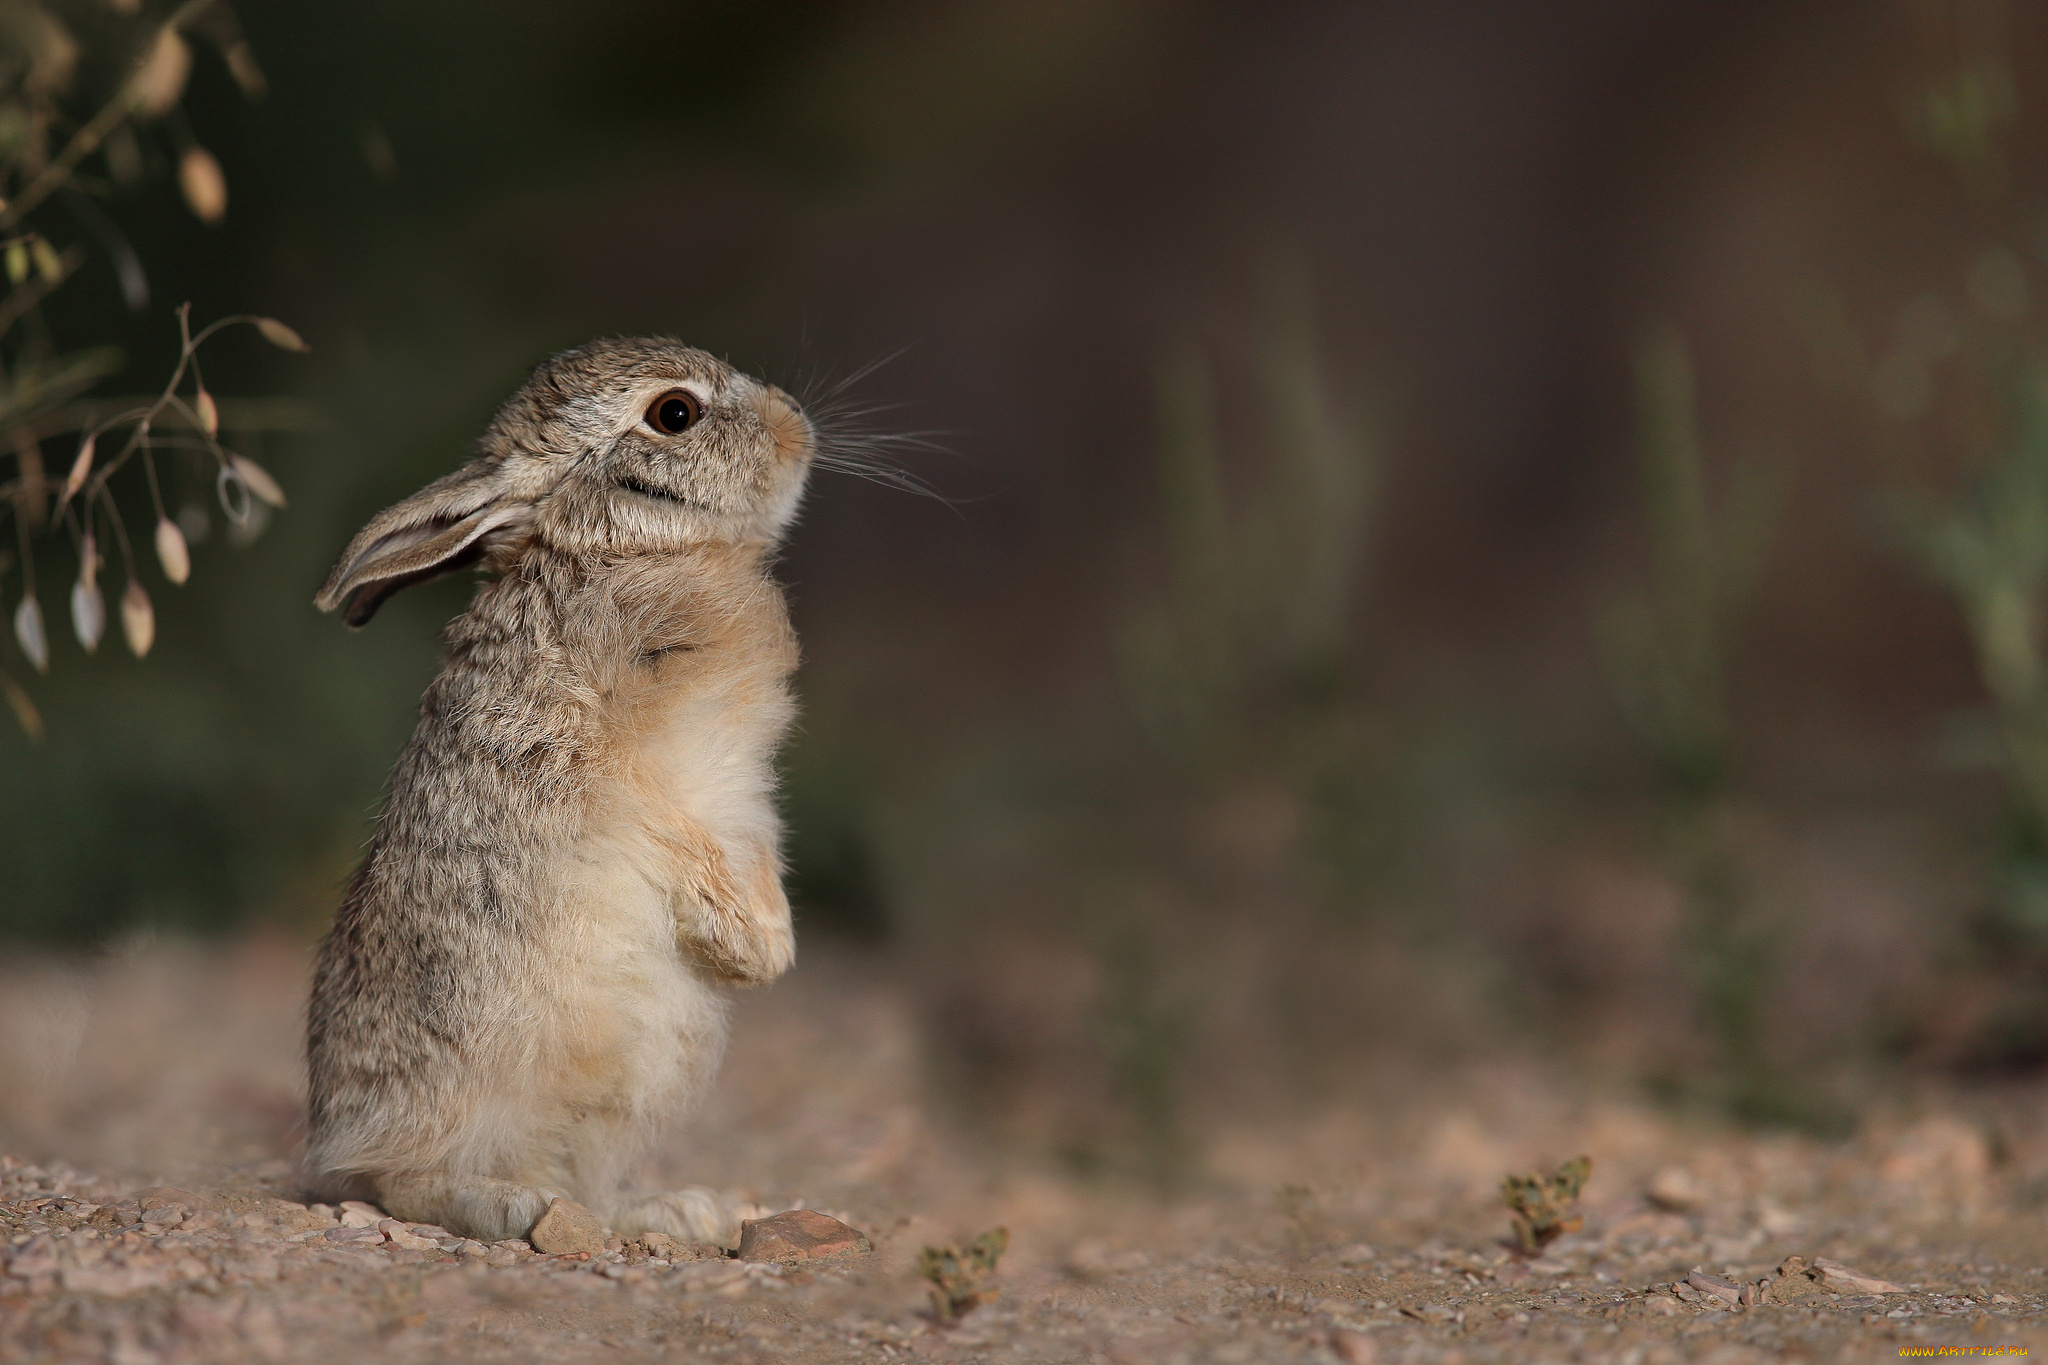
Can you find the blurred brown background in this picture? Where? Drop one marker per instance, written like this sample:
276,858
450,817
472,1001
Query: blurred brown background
1260,710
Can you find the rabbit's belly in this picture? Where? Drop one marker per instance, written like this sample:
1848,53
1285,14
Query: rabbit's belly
636,1029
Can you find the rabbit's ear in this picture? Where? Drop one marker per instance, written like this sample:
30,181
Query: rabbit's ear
444,527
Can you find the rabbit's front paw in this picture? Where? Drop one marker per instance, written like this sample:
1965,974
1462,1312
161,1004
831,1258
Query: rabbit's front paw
741,951
481,1207
744,935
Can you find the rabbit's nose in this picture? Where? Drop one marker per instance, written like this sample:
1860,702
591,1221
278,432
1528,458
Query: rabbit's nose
785,422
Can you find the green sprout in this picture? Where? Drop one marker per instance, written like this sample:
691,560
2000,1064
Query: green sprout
960,1278
1542,1204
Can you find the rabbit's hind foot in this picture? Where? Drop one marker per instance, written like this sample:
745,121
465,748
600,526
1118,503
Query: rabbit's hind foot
690,1214
475,1206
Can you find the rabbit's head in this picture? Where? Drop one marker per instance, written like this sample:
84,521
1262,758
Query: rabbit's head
620,447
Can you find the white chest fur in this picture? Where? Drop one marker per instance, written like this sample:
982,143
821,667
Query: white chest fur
711,750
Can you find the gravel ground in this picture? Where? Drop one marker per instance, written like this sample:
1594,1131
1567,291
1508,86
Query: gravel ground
1361,1232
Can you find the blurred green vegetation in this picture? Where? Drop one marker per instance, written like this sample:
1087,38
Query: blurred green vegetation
1669,651
1985,539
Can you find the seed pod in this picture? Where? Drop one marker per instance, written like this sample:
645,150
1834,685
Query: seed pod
17,261
28,628
209,414
24,709
88,614
47,265
281,336
171,551
242,66
138,621
205,187
160,80
258,480
80,467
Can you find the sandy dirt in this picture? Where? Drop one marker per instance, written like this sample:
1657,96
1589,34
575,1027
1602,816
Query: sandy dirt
1361,1232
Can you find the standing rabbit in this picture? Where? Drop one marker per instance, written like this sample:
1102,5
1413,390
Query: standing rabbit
579,849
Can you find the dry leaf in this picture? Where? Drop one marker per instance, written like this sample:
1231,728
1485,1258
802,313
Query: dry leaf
138,621
171,551
160,80
205,187
28,629
281,336
257,480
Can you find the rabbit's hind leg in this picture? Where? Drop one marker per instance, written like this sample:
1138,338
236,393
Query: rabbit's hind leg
691,1214
477,1206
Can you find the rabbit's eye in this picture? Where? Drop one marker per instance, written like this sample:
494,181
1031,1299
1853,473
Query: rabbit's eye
675,411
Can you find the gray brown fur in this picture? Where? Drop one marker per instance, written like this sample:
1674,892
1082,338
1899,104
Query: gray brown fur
579,851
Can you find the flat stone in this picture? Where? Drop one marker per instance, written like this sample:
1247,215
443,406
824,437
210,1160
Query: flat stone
399,1235
565,1228
362,1236
1841,1279
799,1235
1713,1284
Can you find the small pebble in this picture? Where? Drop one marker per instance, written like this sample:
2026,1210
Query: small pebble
399,1235
567,1226
354,1236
